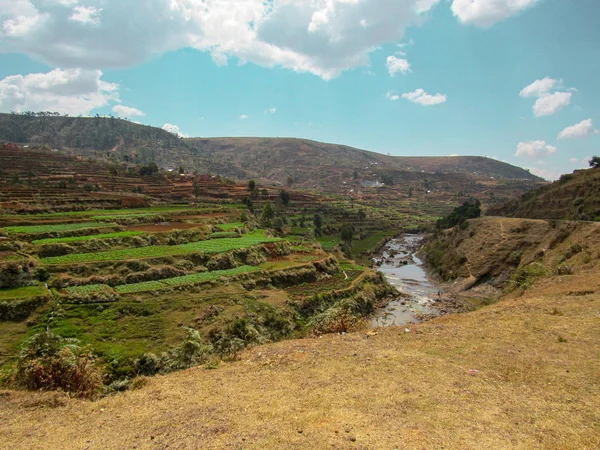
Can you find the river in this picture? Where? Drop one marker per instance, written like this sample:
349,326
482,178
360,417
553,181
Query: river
405,271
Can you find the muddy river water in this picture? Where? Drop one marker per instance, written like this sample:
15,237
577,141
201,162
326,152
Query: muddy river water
405,271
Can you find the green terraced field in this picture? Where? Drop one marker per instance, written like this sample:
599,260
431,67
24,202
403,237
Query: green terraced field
22,292
196,278
89,289
209,246
39,229
229,226
67,240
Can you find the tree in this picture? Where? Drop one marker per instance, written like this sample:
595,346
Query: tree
289,181
264,193
468,210
285,197
251,185
595,162
268,213
355,175
361,215
318,222
347,233
196,188
387,179
181,171
410,191
249,204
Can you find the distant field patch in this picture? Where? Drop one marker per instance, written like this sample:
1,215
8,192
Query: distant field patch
224,234
230,226
209,246
40,229
121,234
196,278
22,292
89,289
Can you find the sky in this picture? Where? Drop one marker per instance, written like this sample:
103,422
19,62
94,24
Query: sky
516,80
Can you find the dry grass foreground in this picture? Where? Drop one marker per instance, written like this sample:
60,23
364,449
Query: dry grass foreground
523,373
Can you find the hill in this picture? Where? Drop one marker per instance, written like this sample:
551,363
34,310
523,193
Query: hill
299,162
574,196
517,374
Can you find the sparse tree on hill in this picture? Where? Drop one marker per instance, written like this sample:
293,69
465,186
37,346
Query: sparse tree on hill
181,171
268,213
361,215
285,197
347,233
196,188
318,222
251,185
264,193
289,181
595,162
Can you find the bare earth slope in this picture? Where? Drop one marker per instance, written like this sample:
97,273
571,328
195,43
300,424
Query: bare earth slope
519,374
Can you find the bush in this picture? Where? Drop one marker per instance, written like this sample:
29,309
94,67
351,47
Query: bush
48,362
468,210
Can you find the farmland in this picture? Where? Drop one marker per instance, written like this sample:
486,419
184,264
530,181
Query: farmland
67,240
209,246
58,228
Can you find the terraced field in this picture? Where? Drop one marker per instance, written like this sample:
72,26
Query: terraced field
209,246
67,240
57,228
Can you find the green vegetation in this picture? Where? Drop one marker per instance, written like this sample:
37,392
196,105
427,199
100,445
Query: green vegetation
89,289
468,210
67,240
209,246
40,229
22,292
230,226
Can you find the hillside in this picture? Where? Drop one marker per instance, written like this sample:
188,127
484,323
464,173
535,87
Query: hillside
574,196
518,374
302,163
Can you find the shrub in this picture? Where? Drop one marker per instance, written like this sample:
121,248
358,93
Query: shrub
48,362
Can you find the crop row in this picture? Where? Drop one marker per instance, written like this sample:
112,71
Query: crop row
120,234
39,229
196,278
209,246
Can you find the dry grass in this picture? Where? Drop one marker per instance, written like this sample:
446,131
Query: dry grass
537,359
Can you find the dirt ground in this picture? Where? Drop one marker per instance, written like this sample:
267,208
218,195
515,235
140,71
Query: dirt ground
520,374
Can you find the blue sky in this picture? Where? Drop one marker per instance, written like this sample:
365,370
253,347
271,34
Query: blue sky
512,79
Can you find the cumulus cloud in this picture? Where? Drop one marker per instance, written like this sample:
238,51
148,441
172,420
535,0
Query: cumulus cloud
535,149
174,129
243,117
271,111
551,103
539,87
485,13
395,65
423,98
546,174
391,95
70,91
582,129
547,103
86,14
126,111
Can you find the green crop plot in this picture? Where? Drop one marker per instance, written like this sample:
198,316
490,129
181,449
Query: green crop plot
40,229
209,246
89,289
224,234
22,292
121,234
230,226
196,278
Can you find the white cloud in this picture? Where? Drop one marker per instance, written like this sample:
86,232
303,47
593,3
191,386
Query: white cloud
573,160
423,98
392,96
395,65
454,154
71,91
126,111
86,14
539,87
535,149
174,129
243,117
271,111
551,103
582,129
547,174
485,13
324,37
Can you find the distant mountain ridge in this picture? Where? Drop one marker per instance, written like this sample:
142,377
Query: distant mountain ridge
305,163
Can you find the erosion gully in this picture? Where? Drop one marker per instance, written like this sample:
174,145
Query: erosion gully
422,297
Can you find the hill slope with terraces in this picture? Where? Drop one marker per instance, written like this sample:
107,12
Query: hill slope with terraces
574,196
310,164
